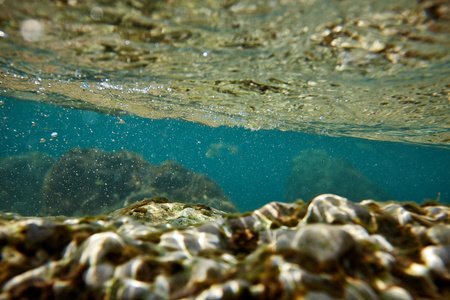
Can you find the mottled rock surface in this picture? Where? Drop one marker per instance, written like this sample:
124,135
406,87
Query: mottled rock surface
92,181
86,181
154,249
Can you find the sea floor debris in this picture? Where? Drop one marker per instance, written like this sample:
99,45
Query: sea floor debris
331,248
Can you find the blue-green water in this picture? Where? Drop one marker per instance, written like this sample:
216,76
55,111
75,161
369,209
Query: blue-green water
256,174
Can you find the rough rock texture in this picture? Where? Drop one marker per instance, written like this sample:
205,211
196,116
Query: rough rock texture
21,177
329,249
86,181
174,181
90,181
315,172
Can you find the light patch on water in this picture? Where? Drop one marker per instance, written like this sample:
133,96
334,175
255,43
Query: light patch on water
32,30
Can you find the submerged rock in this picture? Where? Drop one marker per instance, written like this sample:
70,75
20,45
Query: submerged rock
172,180
333,209
92,181
314,172
87,181
21,177
144,252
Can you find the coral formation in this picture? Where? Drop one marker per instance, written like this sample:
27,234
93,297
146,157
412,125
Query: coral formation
330,249
314,172
21,179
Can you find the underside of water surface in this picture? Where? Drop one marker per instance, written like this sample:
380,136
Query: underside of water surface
371,69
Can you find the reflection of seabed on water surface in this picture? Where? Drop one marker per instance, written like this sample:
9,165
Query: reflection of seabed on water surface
375,70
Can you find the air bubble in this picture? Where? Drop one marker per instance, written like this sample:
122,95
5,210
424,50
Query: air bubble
32,30
96,13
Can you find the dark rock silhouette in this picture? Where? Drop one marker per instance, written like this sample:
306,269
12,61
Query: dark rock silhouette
86,181
314,172
21,178
179,184
92,181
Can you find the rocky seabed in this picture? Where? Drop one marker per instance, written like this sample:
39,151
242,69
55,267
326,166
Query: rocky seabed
331,248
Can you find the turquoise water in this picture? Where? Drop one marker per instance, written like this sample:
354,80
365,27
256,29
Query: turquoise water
252,167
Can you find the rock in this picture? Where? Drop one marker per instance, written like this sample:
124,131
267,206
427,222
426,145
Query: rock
439,235
332,209
316,246
161,211
93,181
314,172
395,293
173,181
437,258
275,252
89,181
21,179
357,289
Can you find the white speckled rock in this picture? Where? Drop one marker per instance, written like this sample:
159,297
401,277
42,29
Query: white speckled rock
357,289
97,246
96,276
333,209
437,258
439,235
395,293
322,244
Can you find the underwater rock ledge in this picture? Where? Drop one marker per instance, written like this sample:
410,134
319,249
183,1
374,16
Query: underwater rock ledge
331,248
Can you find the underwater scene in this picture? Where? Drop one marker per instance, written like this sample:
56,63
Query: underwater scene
232,149
68,159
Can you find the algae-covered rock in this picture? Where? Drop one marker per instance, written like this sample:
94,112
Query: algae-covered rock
91,181
175,182
86,181
158,211
21,179
314,172
143,252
